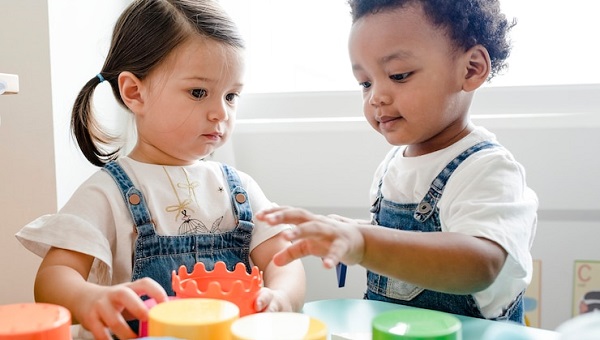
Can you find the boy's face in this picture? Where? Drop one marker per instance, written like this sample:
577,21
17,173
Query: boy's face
412,79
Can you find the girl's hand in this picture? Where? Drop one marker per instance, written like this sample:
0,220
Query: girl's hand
106,309
333,239
269,300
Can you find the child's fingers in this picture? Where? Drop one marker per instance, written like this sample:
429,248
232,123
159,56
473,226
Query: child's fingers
106,317
291,253
285,215
270,210
147,286
320,238
117,324
263,300
134,306
99,330
304,247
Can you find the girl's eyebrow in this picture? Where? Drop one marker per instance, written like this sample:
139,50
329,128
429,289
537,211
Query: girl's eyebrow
199,78
209,80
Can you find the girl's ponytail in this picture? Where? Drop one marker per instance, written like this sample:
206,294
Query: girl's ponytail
91,138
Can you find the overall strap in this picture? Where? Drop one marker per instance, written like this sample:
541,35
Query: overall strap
427,206
132,196
239,198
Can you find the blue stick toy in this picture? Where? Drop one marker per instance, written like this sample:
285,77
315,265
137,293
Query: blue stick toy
340,270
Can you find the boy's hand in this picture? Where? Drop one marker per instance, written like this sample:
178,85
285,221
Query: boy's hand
105,309
329,238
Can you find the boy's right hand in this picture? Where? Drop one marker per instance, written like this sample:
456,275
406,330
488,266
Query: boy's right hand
333,239
105,309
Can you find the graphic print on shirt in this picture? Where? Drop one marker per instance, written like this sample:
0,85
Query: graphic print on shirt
194,226
182,209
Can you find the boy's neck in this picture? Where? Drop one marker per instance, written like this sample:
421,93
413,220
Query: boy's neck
426,148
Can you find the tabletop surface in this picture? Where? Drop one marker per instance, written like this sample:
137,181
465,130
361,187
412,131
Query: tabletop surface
351,319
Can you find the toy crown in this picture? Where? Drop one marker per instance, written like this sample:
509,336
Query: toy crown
236,286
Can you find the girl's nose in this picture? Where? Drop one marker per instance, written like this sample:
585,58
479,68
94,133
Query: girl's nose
219,112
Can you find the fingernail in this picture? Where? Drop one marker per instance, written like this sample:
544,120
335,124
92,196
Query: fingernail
290,234
274,218
329,263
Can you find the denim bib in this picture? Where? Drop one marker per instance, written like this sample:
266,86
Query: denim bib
424,217
156,256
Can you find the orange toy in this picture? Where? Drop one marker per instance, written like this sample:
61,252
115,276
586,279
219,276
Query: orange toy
238,286
34,321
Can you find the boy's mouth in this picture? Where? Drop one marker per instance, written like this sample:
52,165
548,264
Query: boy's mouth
387,119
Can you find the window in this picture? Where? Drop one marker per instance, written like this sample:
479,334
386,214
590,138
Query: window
301,46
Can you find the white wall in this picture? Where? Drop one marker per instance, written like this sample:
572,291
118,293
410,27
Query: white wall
80,34
27,181
55,47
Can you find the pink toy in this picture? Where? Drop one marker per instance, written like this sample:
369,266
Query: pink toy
143,327
238,286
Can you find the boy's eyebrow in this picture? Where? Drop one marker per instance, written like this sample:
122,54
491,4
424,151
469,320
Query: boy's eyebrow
402,54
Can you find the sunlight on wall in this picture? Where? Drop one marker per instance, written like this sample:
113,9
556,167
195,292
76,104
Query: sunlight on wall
299,46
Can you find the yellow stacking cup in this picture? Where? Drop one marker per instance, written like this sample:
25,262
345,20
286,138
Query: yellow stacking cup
278,326
193,318
34,321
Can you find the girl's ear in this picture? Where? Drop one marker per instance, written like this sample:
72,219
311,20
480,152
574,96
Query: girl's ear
130,88
478,68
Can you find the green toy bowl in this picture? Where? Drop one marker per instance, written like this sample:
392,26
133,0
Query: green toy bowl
416,324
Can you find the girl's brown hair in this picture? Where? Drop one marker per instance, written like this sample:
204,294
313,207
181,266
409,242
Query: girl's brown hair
145,33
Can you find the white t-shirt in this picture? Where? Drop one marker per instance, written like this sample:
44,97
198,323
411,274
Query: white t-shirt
486,196
96,221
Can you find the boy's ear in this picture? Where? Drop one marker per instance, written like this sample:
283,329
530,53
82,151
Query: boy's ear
130,88
478,69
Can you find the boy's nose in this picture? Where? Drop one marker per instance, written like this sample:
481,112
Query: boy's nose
379,98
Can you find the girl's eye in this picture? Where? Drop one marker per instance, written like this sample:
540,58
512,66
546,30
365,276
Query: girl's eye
365,85
198,93
400,77
231,97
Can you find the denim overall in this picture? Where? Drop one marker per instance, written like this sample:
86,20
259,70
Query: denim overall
156,256
424,217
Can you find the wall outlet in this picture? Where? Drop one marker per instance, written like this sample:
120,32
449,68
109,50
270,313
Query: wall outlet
9,83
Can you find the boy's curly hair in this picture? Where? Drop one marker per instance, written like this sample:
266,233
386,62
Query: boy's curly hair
469,22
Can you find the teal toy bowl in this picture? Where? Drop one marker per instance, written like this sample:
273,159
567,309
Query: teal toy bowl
416,324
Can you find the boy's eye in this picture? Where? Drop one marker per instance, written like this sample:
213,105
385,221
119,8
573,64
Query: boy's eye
400,77
365,84
231,97
198,93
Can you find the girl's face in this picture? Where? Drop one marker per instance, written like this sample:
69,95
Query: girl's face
411,78
188,103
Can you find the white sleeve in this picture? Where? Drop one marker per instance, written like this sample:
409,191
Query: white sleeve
259,201
488,197
86,224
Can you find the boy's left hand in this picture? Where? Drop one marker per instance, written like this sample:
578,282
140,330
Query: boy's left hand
334,239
